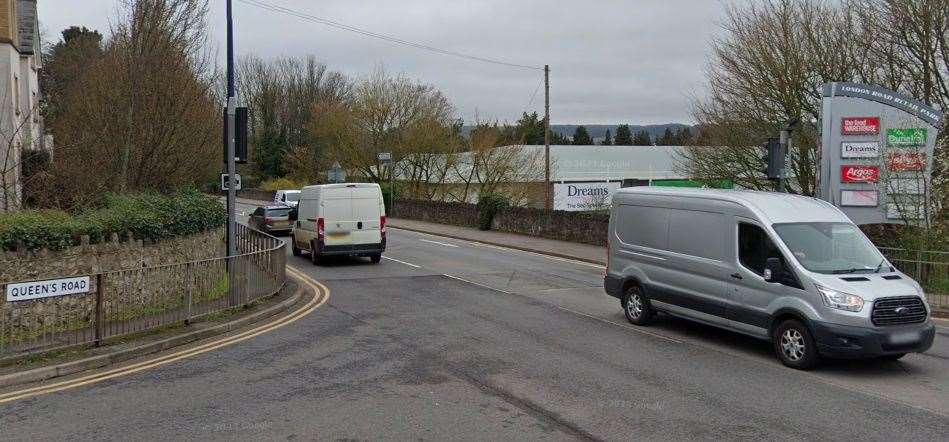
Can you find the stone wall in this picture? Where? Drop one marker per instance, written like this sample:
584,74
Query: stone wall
457,214
129,294
587,228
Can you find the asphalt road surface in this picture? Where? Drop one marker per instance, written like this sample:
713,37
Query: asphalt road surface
447,339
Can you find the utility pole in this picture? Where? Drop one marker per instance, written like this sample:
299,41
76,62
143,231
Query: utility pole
547,199
231,167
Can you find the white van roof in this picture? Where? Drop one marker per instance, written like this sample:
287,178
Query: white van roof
341,186
772,207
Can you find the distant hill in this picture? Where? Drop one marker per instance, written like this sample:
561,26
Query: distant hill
598,131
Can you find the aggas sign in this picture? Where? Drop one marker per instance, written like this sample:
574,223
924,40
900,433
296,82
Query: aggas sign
859,174
860,126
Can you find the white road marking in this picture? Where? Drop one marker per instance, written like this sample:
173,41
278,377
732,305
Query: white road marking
477,284
439,243
402,262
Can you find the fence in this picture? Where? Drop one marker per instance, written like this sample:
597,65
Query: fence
128,301
929,268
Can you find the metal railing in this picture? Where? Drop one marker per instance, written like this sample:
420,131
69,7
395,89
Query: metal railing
929,268
127,301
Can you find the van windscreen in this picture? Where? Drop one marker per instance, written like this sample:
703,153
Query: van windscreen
832,248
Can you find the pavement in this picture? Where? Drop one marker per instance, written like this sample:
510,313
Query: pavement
457,339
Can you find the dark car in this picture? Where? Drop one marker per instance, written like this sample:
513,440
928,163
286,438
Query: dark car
271,219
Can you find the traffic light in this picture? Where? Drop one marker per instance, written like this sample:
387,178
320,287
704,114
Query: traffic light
240,135
772,157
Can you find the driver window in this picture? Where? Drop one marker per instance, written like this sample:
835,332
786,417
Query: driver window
755,247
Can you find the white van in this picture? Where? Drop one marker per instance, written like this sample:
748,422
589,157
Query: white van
340,219
784,268
287,197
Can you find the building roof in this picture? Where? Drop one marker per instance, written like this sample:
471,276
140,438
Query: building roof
773,207
601,163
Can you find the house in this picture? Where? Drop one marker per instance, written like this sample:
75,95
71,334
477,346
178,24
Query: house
21,125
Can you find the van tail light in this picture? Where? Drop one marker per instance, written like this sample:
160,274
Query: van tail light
382,227
320,228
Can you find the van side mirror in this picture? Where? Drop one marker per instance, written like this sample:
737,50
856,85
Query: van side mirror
773,270
293,214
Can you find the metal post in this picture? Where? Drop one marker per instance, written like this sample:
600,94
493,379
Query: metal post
231,167
547,199
783,152
189,280
98,318
391,188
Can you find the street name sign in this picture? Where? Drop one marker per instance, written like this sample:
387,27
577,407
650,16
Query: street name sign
23,291
385,157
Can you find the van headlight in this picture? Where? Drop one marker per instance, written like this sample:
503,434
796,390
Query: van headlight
840,300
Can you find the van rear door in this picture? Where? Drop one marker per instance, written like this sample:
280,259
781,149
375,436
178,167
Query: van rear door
338,216
367,214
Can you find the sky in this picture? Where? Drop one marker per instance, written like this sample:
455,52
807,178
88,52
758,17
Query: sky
611,61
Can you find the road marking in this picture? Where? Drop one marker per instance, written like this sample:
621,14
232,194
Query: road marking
478,284
315,303
439,243
401,262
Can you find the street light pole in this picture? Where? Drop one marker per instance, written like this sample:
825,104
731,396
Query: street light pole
547,199
231,167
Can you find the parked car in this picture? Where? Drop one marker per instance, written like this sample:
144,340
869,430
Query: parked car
789,269
287,197
271,219
340,219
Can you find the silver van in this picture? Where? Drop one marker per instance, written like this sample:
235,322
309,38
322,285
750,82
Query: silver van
789,269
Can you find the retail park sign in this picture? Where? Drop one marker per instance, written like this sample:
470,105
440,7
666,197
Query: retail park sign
876,152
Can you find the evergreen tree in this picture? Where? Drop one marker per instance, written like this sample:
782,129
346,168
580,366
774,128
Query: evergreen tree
684,136
608,140
581,137
668,138
624,137
642,138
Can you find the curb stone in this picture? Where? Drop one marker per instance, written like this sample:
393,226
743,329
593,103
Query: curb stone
99,361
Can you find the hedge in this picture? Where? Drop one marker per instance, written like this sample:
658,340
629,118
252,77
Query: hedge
145,215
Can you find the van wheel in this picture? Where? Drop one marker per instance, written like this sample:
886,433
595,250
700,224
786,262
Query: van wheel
314,256
375,258
293,247
795,346
636,306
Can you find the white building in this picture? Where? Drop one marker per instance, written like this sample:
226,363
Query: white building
21,125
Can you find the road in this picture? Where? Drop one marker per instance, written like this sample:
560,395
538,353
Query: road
450,339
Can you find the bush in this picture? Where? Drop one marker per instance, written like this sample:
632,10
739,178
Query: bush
144,215
281,184
488,205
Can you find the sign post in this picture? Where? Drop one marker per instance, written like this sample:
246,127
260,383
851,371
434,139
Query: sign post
386,158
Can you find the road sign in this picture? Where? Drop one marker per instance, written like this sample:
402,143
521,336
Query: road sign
385,157
23,291
336,174
224,182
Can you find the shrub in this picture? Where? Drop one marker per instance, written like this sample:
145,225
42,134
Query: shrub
144,215
488,205
281,184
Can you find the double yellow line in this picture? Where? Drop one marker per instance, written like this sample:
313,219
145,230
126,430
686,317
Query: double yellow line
323,294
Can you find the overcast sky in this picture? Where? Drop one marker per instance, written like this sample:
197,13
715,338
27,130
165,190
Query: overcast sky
611,61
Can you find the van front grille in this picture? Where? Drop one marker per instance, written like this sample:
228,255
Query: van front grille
898,310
